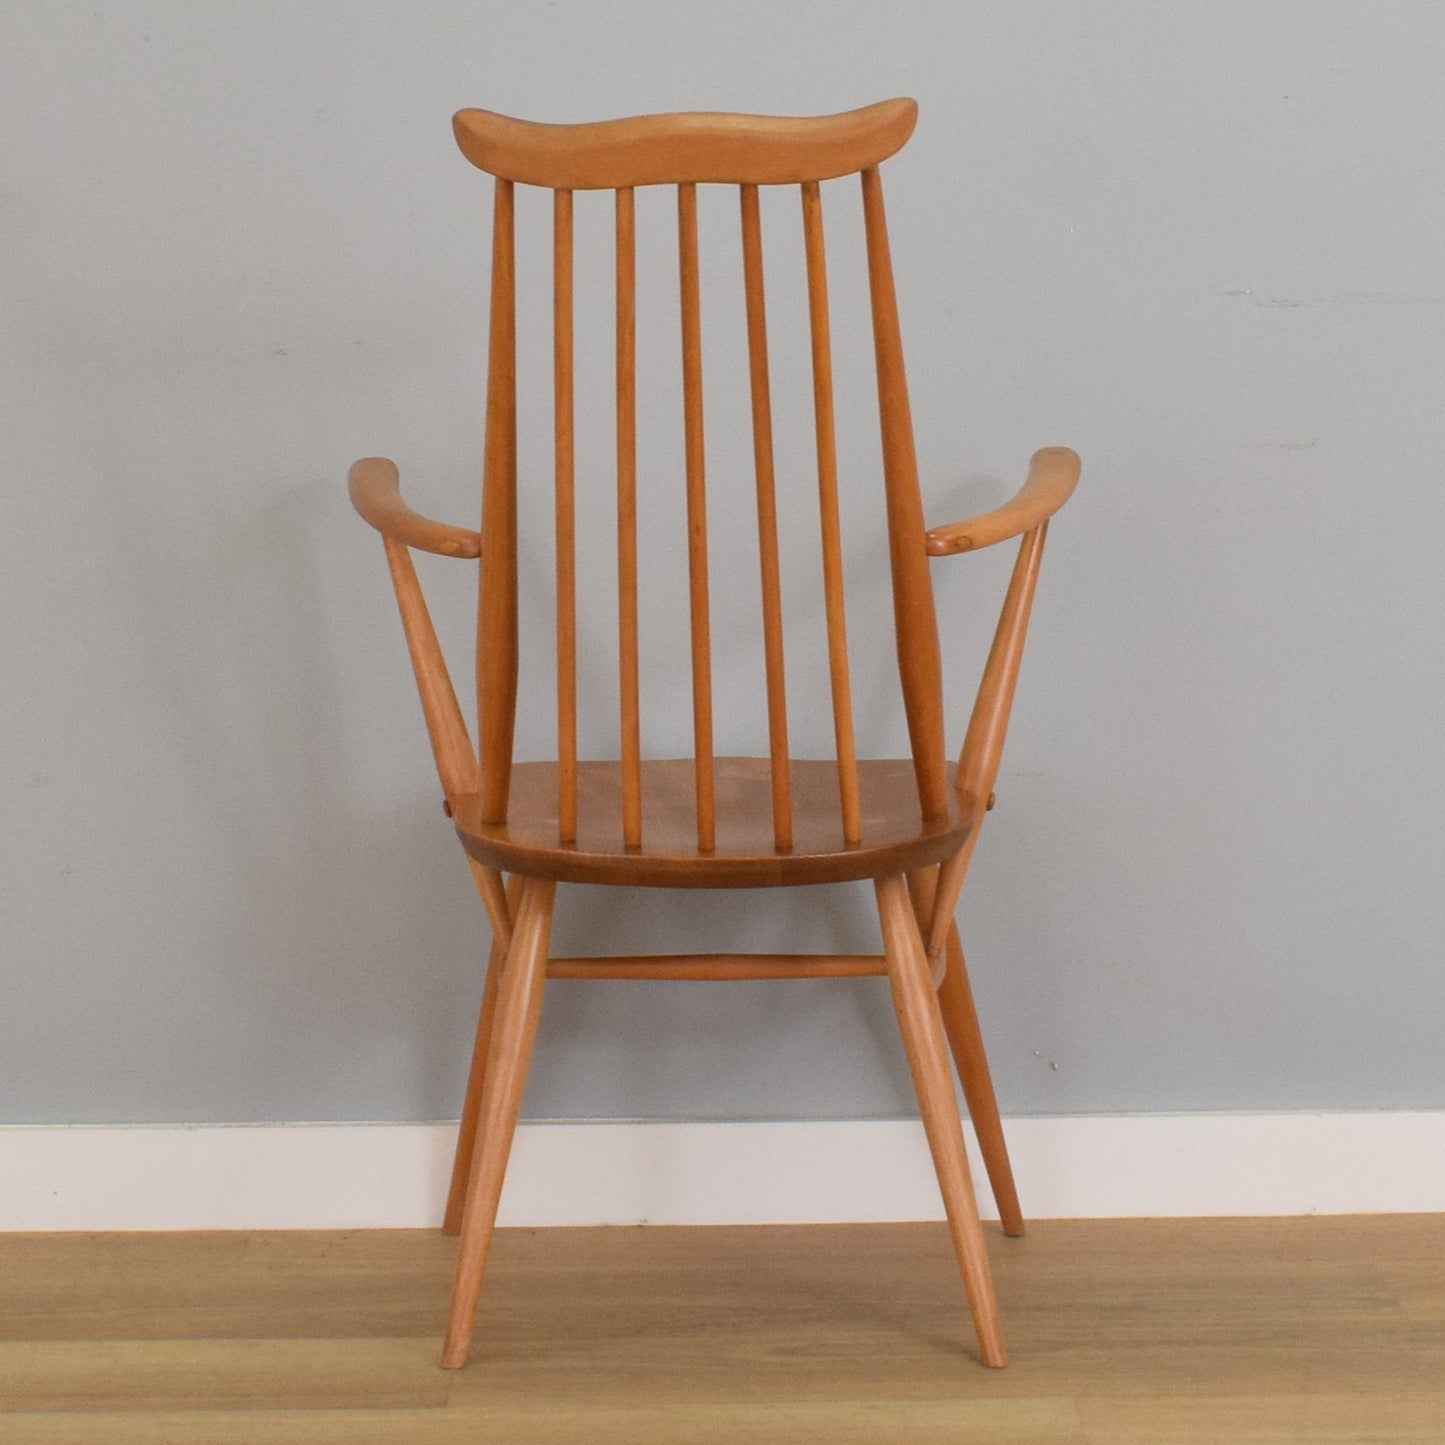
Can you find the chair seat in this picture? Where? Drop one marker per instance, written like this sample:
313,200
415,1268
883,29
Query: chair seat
895,838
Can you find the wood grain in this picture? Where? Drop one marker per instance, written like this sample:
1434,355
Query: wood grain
743,855
919,665
965,1043
702,821
767,516
1297,1331
76,1376
1052,477
375,487
825,441
684,148
518,1009
456,760
481,1049
840,1422
699,611
497,594
627,664
921,1029
988,723
1331,1418
720,966
493,890
564,473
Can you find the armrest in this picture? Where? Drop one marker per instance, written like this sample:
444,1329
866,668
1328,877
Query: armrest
1053,474
375,489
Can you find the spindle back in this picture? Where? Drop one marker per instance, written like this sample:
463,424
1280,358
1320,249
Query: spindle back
685,151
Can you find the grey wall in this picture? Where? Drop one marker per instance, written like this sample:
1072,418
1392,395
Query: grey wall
1202,243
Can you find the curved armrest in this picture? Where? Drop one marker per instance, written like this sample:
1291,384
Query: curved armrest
375,489
1053,474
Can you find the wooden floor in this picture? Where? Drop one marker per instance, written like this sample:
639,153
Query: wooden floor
1123,1332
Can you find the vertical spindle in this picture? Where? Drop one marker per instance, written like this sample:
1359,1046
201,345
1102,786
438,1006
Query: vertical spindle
627,520
767,518
497,600
827,449
696,513
562,401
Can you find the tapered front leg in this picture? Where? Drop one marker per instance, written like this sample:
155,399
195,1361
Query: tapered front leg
919,1022
519,1006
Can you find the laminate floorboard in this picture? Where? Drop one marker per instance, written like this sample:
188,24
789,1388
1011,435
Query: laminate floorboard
1302,1331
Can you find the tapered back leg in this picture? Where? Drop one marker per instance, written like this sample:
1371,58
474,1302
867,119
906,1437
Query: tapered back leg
481,1047
965,1042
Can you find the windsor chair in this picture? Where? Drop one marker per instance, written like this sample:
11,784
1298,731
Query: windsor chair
909,826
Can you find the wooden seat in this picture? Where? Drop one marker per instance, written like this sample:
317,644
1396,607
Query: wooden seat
907,825
893,837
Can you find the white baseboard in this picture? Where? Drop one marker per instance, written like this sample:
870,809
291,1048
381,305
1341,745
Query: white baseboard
311,1176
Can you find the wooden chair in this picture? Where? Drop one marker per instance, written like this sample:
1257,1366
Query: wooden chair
907,825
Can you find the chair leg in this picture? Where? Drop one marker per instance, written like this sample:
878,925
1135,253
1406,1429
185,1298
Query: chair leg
965,1042
472,1103
519,1006
921,1026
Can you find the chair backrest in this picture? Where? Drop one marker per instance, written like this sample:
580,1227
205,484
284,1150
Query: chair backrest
685,151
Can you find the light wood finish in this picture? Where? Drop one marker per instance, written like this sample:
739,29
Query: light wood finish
375,487
949,884
564,467
965,1043
1053,475
893,836
983,744
923,1041
497,595
722,966
481,1048
697,582
767,516
965,1040
519,1006
704,821
686,148
472,1100
494,899
456,763
919,664
631,739
1295,1331
825,440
